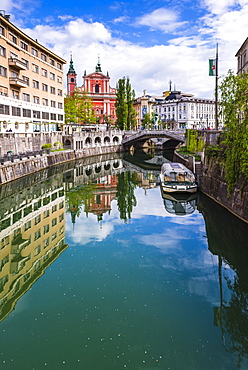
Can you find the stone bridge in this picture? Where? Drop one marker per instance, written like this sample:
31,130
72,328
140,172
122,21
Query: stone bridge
172,137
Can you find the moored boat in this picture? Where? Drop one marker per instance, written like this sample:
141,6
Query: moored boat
175,177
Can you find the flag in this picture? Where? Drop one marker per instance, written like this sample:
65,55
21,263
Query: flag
212,67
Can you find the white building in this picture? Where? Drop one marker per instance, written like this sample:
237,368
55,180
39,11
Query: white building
242,57
179,110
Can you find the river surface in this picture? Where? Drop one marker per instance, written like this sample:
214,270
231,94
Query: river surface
98,272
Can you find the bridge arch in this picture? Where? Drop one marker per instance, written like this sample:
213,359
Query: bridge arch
98,140
88,141
116,140
106,140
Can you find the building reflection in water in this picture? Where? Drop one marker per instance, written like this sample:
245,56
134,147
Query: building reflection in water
32,236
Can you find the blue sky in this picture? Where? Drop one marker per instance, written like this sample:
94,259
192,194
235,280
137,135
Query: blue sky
152,42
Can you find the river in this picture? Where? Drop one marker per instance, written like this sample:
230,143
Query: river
98,272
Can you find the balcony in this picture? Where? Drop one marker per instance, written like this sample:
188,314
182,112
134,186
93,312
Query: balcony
15,81
17,63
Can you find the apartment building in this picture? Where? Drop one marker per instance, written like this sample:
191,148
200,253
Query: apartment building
31,83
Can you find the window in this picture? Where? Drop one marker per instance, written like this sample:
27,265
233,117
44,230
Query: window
37,234
44,72
52,90
44,87
54,236
97,88
46,214
36,100
24,46
46,242
45,101
26,79
54,222
37,219
15,94
52,76
25,97
4,109
43,57
46,229
61,205
2,31
2,51
3,71
16,111
53,103
45,115
26,62
37,250
36,114
3,91
59,66
26,112
60,117
13,38
27,225
14,74
53,116
59,92
61,217
34,52
59,79
35,84
60,105
35,68
51,62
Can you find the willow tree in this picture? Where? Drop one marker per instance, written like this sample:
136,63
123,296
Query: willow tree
234,108
79,109
125,112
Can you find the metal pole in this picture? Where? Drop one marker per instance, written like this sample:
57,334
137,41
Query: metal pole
216,90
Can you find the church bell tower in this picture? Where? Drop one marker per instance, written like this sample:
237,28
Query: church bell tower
71,79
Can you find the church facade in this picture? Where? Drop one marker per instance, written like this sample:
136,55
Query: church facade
97,87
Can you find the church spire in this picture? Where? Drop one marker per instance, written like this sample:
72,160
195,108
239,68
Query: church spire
71,67
98,66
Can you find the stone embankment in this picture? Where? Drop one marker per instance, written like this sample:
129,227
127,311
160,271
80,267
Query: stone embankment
11,171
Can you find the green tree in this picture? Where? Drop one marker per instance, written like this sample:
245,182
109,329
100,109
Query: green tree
125,112
79,109
147,121
234,109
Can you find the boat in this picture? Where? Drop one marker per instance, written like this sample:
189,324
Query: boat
176,178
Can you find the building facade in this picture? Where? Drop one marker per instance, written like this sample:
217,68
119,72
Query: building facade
31,83
97,87
145,105
242,57
179,110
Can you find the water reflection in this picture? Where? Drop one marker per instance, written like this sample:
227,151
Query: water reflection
32,236
135,268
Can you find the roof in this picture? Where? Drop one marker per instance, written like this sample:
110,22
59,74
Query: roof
4,19
238,52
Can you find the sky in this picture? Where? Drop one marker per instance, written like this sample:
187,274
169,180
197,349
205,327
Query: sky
151,42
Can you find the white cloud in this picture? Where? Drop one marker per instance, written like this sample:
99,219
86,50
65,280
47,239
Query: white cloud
122,19
182,59
161,19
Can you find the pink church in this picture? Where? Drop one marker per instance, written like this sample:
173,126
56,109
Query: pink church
97,86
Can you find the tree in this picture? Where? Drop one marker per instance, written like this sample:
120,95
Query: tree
78,108
125,112
234,109
147,121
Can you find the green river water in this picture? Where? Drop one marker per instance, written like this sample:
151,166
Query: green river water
98,272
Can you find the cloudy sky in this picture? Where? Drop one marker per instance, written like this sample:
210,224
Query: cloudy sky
150,41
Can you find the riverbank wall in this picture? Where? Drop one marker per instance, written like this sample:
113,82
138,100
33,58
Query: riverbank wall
10,171
211,180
